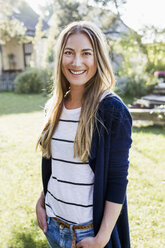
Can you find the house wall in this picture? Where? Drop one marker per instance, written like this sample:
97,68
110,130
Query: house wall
13,47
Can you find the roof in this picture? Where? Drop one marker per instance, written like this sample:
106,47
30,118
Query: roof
29,17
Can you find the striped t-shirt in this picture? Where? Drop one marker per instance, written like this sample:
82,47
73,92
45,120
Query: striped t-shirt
70,187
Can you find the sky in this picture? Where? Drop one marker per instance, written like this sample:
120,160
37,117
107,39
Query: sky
144,12
136,13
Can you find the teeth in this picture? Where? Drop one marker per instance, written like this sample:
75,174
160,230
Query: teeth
76,72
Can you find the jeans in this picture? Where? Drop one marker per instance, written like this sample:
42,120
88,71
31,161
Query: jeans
62,238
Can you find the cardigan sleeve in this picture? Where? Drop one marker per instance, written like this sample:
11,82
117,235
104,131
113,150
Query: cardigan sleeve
46,172
120,143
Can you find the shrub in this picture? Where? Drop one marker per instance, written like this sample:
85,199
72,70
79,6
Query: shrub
33,81
47,79
135,86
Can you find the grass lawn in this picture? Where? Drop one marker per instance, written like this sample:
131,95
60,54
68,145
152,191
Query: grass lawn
21,118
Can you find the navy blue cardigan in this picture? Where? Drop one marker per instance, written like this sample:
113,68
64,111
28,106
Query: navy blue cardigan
109,161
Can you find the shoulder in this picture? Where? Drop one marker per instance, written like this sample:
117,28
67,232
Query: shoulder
113,105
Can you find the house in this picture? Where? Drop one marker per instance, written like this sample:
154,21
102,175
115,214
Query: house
16,56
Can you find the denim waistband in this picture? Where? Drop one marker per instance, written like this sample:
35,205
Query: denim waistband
73,228
73,224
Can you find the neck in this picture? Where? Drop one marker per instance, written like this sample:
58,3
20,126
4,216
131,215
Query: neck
74,99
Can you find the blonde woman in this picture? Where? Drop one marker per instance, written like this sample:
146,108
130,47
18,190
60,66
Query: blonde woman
85,145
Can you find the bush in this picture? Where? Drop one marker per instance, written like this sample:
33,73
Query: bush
33,81
47,78
135,86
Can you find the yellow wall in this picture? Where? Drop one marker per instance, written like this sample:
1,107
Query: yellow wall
13,47
17,49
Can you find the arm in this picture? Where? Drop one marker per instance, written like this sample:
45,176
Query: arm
40,206
121,141
41,212
120,133
111,214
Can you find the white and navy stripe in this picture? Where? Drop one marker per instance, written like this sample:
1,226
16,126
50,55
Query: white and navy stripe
70,188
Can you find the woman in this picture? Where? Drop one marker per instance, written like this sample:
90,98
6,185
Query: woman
85,145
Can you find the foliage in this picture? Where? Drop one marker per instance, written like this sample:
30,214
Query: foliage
117,3
136,73
67,11
70,11
47,78
156,57
37,38
52,34
7,7
104,18
34,81
10,27
64,12
137,59
151,43
135,85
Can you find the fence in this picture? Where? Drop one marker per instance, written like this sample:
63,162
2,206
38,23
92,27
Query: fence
7,81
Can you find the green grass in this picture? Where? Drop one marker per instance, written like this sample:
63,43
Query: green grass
20,179
21,118
12,103
146,189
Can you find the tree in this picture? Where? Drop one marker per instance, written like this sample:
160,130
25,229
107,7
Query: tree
37,38
10,27
67,11
141,56
116,3
153,47
64,12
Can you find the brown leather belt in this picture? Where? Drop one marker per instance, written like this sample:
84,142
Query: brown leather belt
63,224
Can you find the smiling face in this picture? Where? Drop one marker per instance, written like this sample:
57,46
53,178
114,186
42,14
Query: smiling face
78,60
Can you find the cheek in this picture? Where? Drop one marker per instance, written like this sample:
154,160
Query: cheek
64,65
92,62
93,66
63,62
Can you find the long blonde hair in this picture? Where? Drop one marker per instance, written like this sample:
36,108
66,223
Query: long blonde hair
102,80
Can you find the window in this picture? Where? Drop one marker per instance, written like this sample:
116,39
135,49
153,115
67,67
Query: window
27,53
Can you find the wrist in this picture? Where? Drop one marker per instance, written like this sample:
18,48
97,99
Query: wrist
41,201
102,240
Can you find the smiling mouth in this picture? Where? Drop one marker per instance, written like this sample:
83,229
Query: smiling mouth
76,72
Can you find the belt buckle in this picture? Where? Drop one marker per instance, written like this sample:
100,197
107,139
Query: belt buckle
61,226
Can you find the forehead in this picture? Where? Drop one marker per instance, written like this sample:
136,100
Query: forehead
78,41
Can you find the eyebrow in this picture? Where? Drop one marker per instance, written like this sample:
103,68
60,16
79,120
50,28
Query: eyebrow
85,49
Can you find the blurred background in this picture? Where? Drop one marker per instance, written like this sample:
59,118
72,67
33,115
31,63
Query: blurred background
134,29
135,33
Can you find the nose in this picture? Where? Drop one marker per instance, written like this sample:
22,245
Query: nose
76,60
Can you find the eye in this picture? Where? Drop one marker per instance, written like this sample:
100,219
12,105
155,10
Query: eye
68,52
87,53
